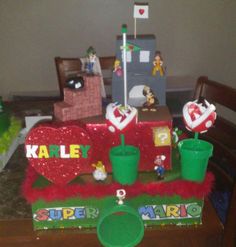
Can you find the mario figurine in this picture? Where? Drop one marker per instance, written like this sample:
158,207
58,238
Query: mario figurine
159,168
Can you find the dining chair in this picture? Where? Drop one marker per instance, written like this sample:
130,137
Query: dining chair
107,64
71,66
223,161
65,68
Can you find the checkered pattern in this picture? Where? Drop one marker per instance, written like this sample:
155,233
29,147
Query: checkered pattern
82,103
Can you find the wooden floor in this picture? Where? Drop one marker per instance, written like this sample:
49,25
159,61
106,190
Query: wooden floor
20,233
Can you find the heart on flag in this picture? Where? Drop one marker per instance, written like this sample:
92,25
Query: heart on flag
141,11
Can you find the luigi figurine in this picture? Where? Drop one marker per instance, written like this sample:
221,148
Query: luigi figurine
91,60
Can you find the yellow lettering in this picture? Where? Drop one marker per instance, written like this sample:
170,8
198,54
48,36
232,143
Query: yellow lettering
43,152
172,210
74,151
67,213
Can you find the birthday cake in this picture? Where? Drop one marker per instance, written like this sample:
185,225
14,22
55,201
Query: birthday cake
64,157
77,168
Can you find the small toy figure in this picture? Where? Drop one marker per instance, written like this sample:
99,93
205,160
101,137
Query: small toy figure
76,82
91,66
159,168
117,68
151,99
120,194
91,55
158,64
99,173
176,133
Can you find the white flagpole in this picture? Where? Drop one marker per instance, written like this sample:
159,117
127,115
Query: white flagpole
135,27
124,31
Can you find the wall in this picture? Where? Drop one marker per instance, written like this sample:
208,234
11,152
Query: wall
196,37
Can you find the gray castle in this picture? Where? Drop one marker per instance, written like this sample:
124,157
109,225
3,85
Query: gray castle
140,56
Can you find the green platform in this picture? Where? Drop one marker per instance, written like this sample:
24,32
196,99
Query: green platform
84,212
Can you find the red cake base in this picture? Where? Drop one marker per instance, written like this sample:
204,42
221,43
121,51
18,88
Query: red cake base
57,150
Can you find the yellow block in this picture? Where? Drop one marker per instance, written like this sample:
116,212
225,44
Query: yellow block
161,136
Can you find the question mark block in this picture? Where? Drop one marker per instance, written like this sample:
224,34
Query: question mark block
161,136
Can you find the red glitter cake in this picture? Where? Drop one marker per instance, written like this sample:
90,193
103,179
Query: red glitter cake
95,132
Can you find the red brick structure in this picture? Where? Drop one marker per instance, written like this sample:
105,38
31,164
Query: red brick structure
82,103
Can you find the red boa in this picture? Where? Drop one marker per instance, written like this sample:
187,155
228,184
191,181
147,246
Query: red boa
183,188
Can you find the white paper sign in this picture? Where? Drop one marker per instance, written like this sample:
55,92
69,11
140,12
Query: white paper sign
128,56
144,56
141,11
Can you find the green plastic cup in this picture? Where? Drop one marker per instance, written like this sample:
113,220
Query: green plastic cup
120,225
194,156
124,161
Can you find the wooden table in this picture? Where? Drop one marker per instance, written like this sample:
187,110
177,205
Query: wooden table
19,232
16,223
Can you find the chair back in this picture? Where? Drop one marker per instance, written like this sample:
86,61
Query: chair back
216,92
107,64
220,95
71,66
66,67
223,137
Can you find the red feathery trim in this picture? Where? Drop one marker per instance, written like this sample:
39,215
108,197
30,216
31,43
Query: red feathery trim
183,188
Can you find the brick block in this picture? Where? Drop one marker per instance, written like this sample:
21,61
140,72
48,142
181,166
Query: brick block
62,111
92,89
73,97
83,103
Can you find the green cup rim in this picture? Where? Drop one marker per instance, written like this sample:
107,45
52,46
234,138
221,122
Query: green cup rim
196,141
118,208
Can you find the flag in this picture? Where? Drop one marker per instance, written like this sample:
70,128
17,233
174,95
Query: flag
141,10
131,47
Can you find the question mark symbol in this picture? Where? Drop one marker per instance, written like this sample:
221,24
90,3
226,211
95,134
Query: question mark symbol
162,137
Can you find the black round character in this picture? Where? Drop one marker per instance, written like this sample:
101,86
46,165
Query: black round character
75,82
